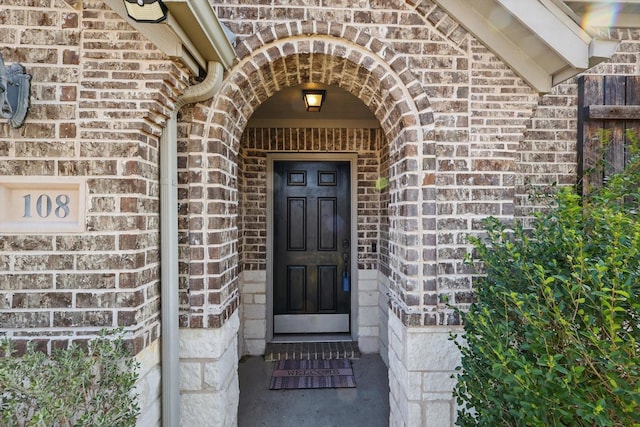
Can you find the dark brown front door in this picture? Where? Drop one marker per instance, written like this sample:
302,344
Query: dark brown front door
312,235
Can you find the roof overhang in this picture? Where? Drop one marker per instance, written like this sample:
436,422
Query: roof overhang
191,33
606,13
538,39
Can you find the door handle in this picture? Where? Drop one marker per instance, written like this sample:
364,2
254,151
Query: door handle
346,277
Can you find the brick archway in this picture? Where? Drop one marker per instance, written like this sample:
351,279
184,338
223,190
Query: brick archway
286,55
311,51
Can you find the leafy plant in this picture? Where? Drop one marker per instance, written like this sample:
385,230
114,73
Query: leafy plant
72,387
554,337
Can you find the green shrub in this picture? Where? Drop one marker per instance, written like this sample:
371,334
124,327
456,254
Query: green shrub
73,387
554,337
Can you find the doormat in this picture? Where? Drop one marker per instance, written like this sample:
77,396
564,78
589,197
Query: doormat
302,374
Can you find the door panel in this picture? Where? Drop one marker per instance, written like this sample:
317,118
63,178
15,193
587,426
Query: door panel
312,215
327,288
297,224
327,224
296,288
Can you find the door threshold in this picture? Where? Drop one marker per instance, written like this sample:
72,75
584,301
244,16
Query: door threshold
301,338
313,350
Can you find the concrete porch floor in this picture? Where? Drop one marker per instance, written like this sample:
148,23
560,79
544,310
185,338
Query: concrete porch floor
366,405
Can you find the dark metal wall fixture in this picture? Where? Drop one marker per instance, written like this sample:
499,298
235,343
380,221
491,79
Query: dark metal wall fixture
15,87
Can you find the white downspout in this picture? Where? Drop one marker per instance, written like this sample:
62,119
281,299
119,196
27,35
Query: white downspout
169,244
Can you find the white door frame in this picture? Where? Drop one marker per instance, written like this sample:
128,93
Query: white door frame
352,158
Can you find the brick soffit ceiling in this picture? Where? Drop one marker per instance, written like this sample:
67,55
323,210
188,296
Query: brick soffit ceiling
541,40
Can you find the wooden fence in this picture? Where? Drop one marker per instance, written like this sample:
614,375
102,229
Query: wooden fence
608,111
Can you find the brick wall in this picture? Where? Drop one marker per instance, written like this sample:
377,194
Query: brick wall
452,148
243,91
452,117
208,208
100,96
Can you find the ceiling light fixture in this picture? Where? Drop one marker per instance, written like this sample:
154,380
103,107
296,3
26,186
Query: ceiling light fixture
313,100
151,11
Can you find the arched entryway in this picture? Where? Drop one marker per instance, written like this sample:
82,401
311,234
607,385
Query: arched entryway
226,179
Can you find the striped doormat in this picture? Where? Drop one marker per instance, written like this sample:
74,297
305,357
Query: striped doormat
300,374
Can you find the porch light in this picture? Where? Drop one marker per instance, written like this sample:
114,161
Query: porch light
146,10
313,100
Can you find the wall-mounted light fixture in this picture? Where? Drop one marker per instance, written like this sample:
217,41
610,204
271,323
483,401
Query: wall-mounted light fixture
313,100
15,89
146,10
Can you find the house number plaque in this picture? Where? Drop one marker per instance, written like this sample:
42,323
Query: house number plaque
41,205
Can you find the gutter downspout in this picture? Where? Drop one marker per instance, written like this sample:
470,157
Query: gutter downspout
169,244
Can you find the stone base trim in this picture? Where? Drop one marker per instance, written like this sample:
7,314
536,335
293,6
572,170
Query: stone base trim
209,386
422,362
370,311
149,387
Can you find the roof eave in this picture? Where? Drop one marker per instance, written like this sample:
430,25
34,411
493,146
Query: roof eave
567,48
191,33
